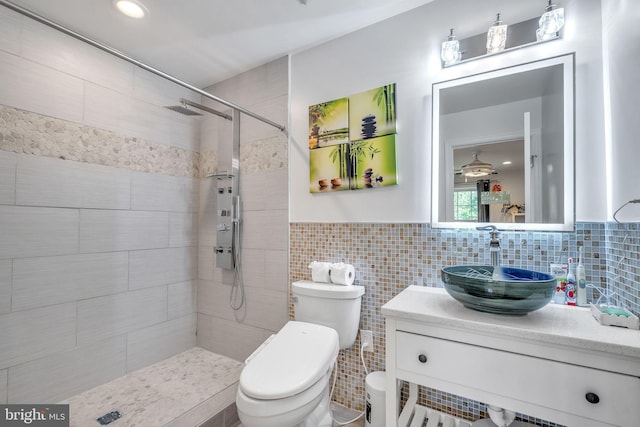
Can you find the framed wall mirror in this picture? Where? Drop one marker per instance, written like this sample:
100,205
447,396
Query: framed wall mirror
503,148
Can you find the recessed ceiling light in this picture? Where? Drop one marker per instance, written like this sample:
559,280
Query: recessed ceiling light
131,8
507,162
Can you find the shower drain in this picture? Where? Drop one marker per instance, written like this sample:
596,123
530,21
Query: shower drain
109,418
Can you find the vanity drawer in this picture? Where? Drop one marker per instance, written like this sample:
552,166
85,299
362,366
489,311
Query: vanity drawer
585,392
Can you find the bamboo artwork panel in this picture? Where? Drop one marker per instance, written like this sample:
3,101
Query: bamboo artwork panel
352,142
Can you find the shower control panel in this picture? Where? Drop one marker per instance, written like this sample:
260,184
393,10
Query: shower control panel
227,210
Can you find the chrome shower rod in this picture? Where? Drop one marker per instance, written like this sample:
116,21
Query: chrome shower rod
112,51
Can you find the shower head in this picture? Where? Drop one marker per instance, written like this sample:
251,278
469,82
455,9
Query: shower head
183,108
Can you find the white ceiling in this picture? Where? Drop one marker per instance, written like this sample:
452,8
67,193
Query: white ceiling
205,41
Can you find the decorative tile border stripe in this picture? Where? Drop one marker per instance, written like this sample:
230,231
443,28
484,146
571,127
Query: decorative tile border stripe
32,133
264,155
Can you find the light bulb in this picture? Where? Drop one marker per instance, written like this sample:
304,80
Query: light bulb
450,53
497,36
551,21
131,8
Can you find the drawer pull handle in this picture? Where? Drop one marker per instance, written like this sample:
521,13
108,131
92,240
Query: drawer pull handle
422,358
592,398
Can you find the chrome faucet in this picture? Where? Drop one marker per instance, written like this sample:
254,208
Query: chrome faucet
494,245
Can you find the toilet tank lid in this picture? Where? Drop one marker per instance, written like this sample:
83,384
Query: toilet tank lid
327,290
295,359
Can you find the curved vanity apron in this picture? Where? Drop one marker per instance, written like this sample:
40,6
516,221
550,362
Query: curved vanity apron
297,357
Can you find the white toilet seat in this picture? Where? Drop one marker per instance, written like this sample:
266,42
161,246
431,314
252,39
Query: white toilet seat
290,363
288,378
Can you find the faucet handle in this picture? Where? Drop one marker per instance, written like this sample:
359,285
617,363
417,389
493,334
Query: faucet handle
494,233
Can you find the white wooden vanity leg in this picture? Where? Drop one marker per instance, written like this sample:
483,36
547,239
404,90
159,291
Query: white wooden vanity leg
392,384
410,407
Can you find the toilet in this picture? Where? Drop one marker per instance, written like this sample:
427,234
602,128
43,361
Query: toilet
285,382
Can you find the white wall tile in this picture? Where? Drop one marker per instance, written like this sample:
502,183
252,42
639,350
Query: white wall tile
266,230
111,315
182,298
34,87
211,298
162,266
53,280
264,309
31,334
253,267
264,190
183,229
228,338
123,114
62,375
7,178
158,342
54,182
276,269
102,231
5,286
30,231
253,190
112,110
275,109
207,214
64,53
184,131
156,90
276,183
10,30
3,386
153,192
206,262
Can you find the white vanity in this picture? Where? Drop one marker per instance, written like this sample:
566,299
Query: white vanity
557,363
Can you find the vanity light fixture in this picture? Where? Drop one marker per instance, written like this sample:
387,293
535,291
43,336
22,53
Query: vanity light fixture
551,21
131,8
497,36
477,168
450,53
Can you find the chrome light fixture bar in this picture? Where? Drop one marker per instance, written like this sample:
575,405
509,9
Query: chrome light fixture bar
504,38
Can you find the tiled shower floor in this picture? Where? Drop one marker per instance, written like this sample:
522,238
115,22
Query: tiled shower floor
185,390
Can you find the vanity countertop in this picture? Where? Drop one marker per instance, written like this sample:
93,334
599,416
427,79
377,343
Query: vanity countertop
553,324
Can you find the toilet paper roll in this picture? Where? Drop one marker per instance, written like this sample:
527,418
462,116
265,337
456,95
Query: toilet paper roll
342,274
320,271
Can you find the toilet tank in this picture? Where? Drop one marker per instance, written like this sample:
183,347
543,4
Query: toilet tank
327,304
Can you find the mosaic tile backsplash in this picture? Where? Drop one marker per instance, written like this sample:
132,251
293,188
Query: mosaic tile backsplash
390,257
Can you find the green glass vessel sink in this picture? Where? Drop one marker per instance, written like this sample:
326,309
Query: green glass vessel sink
504,290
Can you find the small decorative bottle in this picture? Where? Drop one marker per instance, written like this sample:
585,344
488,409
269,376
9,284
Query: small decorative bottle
571,285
